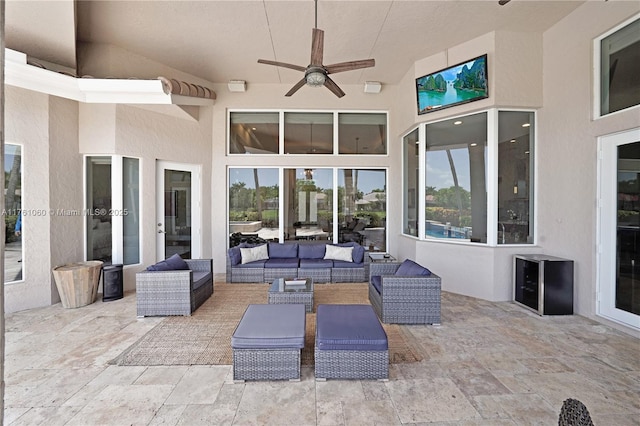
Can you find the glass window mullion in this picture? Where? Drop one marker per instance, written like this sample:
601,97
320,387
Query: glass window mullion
336,133
281,198
336,222
492,177
281,133
117,222
422,152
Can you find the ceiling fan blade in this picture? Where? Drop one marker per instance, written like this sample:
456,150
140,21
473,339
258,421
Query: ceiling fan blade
317,47
331,85
295,88
282,64
350,65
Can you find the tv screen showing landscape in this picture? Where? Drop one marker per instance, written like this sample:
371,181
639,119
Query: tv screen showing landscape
459,84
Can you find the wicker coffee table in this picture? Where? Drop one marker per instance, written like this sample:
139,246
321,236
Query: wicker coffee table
289,290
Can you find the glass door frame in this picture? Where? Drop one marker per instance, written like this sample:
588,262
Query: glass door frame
606,253
196,206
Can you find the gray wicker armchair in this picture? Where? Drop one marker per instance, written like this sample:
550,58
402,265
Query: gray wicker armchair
181,292
404,299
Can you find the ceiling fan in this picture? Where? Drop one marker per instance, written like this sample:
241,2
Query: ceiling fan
316,74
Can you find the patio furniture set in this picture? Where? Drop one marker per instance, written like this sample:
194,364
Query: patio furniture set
350,342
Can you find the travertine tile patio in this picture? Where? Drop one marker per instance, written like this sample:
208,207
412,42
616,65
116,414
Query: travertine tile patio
487,364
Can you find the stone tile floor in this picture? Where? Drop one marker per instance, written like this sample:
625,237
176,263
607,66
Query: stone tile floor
487,364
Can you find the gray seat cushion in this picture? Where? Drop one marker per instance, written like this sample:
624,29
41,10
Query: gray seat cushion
343,264
376,282
256,264
271,326
315,263
281,263
349,327
200,278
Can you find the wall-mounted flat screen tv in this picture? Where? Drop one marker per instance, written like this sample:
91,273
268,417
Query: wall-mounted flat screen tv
459,84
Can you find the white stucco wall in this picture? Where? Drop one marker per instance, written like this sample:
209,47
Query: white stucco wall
65,184
567,142
46,128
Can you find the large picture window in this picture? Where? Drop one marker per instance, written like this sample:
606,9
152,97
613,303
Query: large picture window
462,166
308,209
455,185
362,207
253,204
317,204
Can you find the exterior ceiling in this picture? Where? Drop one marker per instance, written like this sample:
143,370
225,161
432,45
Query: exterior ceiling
222,40
44,29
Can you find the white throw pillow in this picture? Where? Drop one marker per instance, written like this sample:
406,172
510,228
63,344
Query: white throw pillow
339,253
254,253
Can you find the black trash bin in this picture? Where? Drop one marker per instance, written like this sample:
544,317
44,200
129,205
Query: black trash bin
112,286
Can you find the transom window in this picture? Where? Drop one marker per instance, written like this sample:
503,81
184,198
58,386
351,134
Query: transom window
618,53
307,133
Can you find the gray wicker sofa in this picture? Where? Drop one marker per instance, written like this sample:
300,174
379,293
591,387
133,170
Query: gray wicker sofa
404,293
313,260
175,291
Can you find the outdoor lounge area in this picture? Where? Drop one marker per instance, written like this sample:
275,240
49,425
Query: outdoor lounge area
487,363
301,153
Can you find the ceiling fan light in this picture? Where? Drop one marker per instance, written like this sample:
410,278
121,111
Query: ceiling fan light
315,79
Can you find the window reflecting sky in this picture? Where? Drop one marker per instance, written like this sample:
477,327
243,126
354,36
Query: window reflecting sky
368,180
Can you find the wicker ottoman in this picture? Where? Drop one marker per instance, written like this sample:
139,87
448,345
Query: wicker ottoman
267,342
350,343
